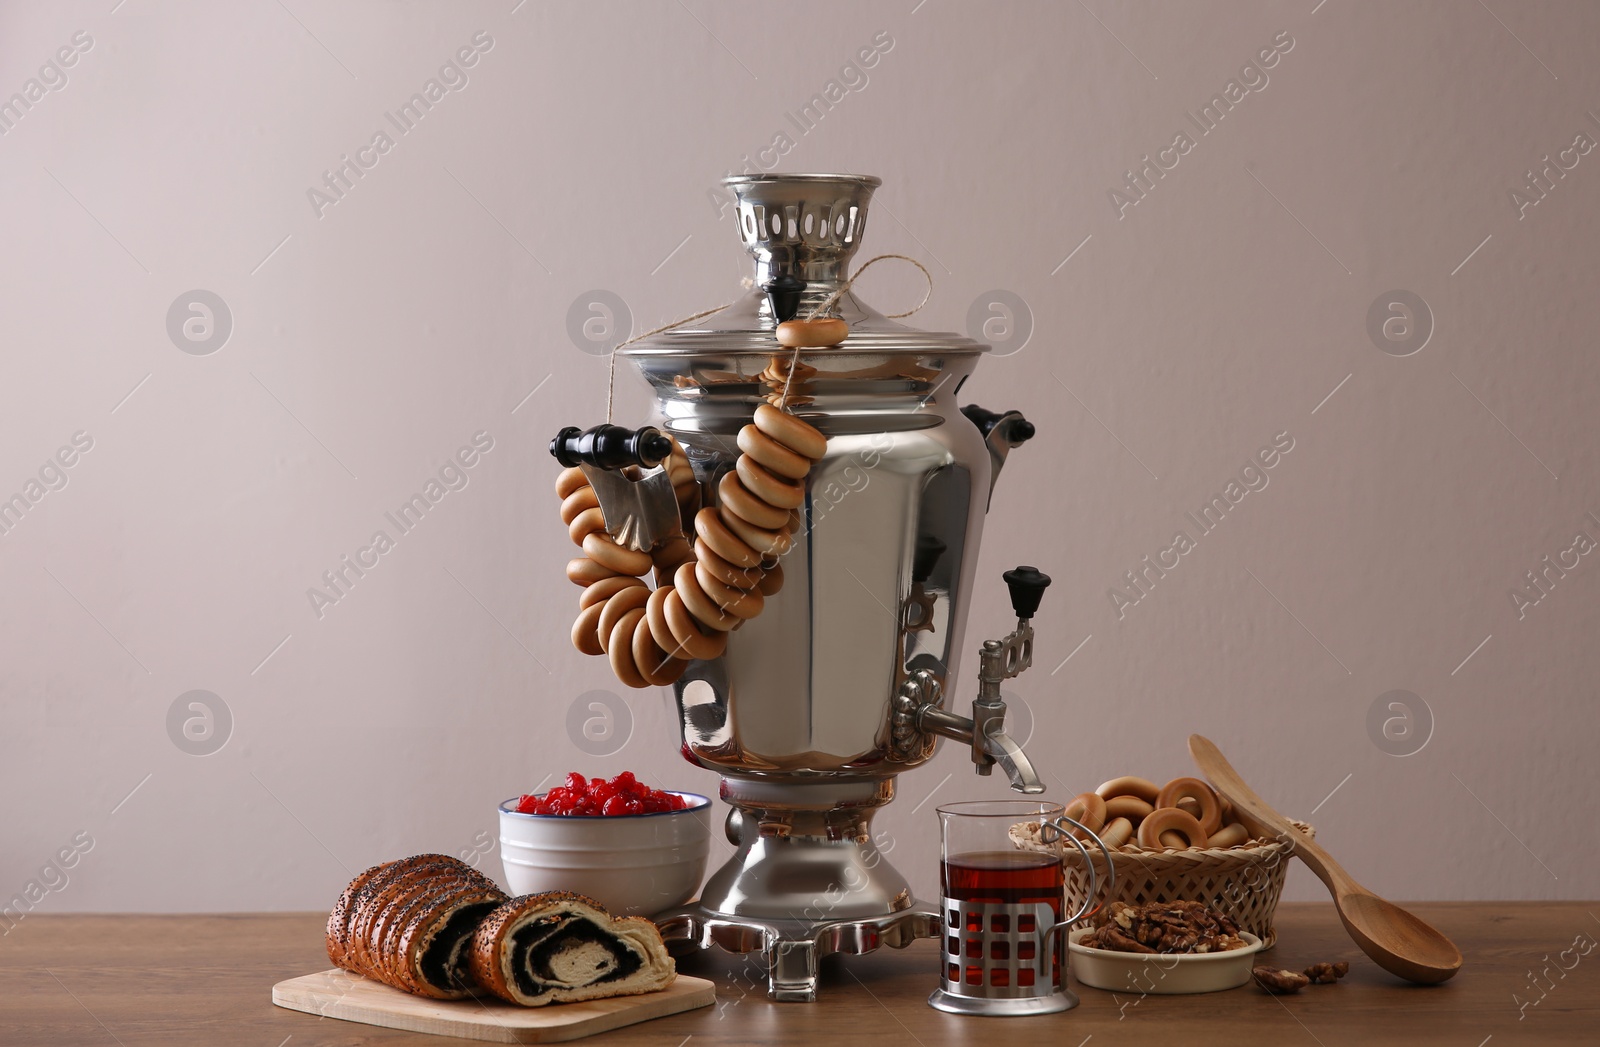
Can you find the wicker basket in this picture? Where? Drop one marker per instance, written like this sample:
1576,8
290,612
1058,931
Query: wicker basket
1244,882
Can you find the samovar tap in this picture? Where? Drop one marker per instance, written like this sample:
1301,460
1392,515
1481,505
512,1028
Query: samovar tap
917,711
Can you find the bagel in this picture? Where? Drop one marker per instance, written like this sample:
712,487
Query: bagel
1130,785
1129,807
1117,832
1210,815
1167,826
1089,810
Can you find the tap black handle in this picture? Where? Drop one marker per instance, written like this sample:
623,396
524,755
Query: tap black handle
1017,428
611,447
1027,585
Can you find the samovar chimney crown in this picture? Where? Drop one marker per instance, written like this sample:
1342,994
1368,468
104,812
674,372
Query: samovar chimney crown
801,227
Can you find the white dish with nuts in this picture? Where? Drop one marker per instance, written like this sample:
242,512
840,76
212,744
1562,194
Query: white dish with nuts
1161,974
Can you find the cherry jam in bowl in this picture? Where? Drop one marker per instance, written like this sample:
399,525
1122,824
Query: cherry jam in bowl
645,856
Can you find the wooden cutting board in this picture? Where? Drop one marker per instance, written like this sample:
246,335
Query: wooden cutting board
340,994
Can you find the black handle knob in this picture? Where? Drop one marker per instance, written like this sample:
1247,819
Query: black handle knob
611,447
1017,428
1027,585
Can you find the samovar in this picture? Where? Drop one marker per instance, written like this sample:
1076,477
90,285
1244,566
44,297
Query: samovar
842,682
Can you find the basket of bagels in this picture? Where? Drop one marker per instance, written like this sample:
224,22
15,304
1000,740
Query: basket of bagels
1168,843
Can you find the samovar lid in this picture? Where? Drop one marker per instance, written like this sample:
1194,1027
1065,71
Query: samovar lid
807,227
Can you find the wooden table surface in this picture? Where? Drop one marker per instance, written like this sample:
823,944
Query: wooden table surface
172,980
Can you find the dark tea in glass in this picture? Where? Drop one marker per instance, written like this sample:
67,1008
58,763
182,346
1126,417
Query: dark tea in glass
1001,878
1004,877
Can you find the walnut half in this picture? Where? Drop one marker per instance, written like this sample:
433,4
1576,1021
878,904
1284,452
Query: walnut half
1327,973
1279,982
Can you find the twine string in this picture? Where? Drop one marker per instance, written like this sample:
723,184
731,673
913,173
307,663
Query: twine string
788,380
611,379
833,299
794,359
830,301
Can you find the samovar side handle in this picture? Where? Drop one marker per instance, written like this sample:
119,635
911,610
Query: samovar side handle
1002,430
641,511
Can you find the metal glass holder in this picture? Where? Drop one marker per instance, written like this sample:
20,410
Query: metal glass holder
1000,935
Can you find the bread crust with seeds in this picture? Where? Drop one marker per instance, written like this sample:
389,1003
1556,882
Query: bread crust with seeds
388,922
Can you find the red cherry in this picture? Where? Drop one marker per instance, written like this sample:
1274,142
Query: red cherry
622,794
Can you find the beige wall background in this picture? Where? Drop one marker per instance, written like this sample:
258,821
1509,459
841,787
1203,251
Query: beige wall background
1442,449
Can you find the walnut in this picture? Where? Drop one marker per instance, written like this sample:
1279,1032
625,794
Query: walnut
1327,973
1279,982
1108,937
1166,927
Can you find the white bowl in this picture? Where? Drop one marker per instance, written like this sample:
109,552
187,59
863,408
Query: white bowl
1164,974
633,864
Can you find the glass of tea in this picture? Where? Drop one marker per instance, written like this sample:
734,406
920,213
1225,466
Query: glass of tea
1003,946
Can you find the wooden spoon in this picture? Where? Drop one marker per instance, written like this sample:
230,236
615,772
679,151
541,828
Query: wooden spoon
1396,940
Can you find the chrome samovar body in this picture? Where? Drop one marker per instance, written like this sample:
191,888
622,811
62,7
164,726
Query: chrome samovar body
841,683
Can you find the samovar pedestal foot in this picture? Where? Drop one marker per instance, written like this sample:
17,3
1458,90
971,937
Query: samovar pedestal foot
808,879
790,950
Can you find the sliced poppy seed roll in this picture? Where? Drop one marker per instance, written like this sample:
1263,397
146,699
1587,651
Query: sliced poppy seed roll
559,946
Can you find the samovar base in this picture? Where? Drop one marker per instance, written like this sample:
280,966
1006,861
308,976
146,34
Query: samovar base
809,879
791,949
